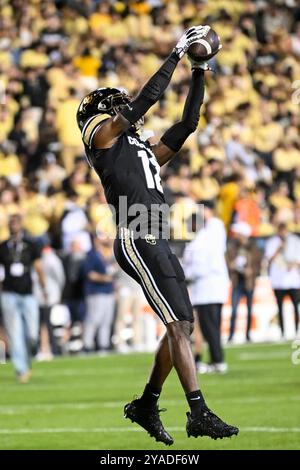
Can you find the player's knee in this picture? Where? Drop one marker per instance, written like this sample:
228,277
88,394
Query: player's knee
179,329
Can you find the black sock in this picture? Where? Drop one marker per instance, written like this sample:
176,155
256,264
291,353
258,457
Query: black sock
195,400
150,396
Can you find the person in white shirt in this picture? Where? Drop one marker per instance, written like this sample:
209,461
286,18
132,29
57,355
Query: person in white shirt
75,224
205,267
283,255
55,281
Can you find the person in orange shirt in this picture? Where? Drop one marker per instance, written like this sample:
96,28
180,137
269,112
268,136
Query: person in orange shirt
247,210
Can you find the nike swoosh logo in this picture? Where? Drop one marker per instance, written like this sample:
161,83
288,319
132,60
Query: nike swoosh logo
198,398
155,394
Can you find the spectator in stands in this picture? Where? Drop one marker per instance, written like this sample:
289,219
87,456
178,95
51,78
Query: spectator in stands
99,295
55,281
74,223
51,174
244,262
19,254
73,295
283,255
247,210
68,134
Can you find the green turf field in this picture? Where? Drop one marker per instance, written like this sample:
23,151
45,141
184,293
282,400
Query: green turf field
77,403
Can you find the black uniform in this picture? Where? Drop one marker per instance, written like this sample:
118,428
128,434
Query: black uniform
129,168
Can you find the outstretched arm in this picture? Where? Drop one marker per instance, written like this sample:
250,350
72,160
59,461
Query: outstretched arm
153,90
173,139
131,113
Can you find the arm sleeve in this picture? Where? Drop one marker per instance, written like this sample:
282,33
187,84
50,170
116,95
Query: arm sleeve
152,91
175,137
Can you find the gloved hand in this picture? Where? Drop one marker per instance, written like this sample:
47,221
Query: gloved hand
198,65
201,64
190,36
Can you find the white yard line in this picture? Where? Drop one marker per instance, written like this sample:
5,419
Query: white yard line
139,383
132,429
73,372
45,407
267,356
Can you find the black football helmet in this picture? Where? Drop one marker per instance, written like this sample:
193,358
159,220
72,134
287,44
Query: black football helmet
101,101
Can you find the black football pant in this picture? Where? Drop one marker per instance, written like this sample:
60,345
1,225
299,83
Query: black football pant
210,323
152,264
294,295
238,292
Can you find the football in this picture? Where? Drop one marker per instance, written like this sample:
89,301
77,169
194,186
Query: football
206,47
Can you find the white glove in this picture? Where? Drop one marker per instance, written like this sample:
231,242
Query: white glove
201,64
198,65
190,36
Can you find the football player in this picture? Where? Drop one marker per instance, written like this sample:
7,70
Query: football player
109,121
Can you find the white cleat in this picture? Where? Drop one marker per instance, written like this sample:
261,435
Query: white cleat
220,367
217,368
203,368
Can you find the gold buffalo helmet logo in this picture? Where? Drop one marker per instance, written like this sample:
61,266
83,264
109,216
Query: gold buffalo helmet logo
88,99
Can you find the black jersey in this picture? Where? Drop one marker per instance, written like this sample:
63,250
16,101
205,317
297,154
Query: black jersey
129,168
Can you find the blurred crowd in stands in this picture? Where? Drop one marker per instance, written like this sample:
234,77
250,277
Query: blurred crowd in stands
245,154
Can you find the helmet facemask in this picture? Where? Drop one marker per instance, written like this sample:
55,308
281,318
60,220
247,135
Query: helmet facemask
104,101
115,103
